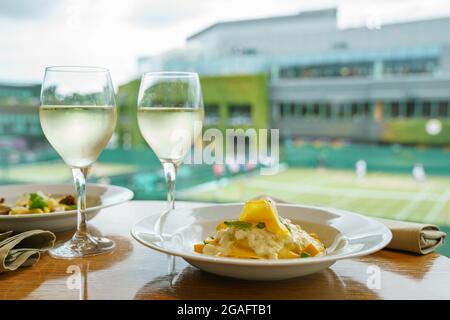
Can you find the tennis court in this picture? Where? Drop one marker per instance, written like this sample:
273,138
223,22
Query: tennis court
388,195
57,171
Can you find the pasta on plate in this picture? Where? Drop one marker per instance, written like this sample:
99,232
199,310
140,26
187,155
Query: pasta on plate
260,233
38,202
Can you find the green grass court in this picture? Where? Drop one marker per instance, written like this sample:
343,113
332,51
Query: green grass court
389,195
57,171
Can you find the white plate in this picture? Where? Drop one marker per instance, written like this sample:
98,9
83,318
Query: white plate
98,197
345,234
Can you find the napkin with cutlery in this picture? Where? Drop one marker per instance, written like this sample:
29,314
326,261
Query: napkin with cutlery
23,249
420,238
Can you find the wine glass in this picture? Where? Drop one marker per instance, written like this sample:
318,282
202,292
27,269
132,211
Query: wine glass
170,118
78,117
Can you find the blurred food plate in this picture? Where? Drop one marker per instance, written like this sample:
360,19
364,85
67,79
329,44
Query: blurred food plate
98,197
345,235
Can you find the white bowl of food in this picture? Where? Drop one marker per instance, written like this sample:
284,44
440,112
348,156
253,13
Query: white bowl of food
261,240
52,206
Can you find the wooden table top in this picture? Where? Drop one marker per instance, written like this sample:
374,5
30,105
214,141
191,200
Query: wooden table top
133,271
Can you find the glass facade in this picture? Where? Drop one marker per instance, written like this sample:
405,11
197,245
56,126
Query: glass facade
376,67
417,109
22,95
363,109
360,69
410,66
324,110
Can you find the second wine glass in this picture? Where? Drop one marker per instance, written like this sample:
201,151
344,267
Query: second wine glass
170,117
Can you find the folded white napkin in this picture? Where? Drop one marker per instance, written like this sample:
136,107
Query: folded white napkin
23,249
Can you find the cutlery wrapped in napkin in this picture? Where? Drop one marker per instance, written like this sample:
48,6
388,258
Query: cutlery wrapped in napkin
414,237
23,249
420,238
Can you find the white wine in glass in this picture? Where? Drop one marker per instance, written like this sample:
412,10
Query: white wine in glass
78,117
170,131
78,133
170,117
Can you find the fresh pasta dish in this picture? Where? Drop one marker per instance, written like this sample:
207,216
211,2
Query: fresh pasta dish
260,233
38,202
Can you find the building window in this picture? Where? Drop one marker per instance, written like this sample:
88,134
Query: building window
292,109
281,110
276,112
288,73
341,111
315,110
355,111
212,115
366,109
443,109
426,109
304,110
240,114
357,69
395,109
327,112
408,66
410,108
359,109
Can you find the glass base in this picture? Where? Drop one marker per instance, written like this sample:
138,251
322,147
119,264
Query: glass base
82,247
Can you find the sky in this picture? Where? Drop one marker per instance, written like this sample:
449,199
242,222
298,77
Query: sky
114,33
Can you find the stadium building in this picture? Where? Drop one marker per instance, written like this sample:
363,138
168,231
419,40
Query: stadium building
381,84
20,129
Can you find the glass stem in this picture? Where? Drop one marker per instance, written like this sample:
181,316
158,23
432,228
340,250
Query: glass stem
79,177
170,264
170,173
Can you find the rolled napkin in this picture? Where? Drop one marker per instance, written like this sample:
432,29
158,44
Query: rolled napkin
420,238
23,249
